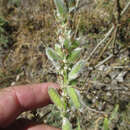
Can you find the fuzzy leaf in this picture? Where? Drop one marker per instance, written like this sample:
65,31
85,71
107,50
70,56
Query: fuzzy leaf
74,97
76,70
58,50
55,97
61,7
54,57
74,55
66,124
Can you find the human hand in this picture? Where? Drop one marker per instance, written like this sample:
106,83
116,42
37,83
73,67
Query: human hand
15,100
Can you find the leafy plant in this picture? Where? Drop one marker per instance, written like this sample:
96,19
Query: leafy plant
65,58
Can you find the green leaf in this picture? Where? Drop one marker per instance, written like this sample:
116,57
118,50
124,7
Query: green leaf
58,50
15,2
56,99
1,29
74,45
73,82
66,124
61,7
3,40
67,43
113,116
114,113
106,124
2,21
76,70
74,55
74,97
54,57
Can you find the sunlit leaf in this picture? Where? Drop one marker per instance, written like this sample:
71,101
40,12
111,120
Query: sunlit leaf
66,124
56,99
61,7
76,70
106,124
74,55
74,97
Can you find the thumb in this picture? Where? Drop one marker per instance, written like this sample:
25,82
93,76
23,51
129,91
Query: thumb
25,124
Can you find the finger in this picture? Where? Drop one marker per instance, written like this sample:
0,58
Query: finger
28,125
42,127
14,100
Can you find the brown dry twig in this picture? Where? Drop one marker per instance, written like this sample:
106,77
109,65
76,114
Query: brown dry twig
108,33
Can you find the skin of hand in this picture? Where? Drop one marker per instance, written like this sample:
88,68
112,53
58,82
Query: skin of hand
17,99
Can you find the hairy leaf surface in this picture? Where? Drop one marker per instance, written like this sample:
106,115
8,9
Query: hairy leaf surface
55,97
74,73
54,57
74,97
58,50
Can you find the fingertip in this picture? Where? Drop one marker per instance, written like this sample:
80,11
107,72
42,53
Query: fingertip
14,100
25,124
35,95
42,127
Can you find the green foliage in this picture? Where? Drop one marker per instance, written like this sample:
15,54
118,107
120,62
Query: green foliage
66,124
55,97
3,37
15,2
106,124
114,113
74,56
65,58
78,124
74,97
2,21
67,43
74,45
61,7
58,50
54,57
76,70
108,121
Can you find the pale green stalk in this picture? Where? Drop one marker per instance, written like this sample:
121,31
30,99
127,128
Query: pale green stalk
65,59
